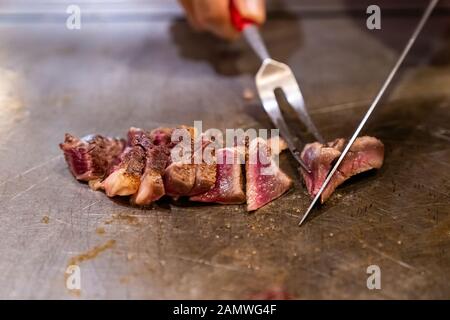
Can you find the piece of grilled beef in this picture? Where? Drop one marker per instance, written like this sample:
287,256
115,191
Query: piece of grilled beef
179,179
179,176
205,178
365,154
151,187
138,137
157,146
91,157
265,181
205,172
143,168
228,186
188,178
162,137
125,178
319,158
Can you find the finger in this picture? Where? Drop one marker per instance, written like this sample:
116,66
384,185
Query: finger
188,6
254,10
214,16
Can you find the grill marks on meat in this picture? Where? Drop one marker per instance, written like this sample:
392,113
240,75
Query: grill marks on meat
265,180
366,153
228,187
90,158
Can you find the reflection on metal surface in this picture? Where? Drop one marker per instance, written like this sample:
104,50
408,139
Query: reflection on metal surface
11,104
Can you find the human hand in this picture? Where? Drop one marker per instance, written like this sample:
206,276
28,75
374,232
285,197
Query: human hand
214,15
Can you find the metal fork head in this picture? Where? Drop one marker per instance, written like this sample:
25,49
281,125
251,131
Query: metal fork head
276,75
269,78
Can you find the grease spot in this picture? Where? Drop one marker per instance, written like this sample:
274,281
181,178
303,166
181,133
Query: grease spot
45,219
92,253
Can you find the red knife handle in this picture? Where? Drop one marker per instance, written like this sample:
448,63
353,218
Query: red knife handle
238,21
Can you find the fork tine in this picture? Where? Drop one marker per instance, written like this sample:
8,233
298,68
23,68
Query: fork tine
295,98
270,104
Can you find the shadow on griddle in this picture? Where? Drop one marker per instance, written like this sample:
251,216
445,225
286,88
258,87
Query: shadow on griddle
358,181
282,34
165,203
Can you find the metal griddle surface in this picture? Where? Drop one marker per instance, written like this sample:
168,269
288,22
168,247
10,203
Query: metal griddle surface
110,76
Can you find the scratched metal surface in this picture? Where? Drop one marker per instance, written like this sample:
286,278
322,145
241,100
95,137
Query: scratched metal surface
110,76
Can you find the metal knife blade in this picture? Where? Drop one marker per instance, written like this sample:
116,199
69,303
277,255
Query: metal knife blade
372,107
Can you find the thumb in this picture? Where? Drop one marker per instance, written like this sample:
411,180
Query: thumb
252,9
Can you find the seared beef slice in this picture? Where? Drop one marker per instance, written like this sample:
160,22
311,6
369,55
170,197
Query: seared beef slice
91,157
265,180
152,185
228,187
365,154
189,179
205,173
125,179
126,176
319,158
157,148
142,167
179,176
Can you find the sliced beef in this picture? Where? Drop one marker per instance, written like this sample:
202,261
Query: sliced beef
205,173
126,175
228,186
205,178
365,154
162,136
90,158
139,137
179,179
157,145
142,167
152,184
265,180
188,179
319,158
125,178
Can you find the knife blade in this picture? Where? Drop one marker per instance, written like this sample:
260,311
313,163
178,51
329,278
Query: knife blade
374,104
